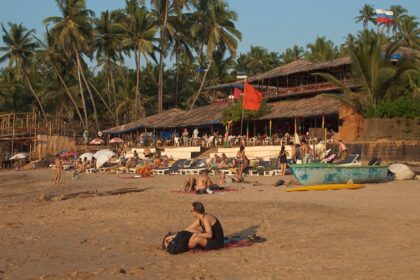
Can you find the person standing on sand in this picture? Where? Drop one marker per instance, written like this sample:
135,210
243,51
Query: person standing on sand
283,159
58,168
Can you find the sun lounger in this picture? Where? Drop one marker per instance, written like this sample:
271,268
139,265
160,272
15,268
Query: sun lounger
350,160
195,167
90,170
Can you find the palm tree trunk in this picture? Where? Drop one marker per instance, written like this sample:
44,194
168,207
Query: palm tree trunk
81,88
201,87
137,55
177,81
104,102
95,113
71,98
162,54
114,92
36,97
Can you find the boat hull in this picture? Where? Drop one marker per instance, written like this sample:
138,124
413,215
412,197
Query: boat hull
315,174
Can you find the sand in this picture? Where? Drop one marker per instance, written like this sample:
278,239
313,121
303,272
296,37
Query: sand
370,233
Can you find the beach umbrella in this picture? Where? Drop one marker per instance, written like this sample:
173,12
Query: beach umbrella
69,154
89,156
19,156
116,140
96,141
103,156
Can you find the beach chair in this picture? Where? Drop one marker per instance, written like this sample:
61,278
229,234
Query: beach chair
196,166
350,160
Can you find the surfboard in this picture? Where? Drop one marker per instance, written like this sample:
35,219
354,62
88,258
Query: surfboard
326,187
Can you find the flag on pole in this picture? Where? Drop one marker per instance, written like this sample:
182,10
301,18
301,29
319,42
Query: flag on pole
237,93
252,98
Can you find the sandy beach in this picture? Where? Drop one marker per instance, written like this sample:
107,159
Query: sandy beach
370,233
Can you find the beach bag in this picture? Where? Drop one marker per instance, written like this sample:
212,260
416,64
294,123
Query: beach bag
179,244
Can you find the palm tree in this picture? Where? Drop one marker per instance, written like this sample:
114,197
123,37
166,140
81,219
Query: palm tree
366,15
73,33
292,54
163,9
261,60
140,29
180,48
107,44
214,29
52,58
399,13
409,32
322,50
20,48
376,75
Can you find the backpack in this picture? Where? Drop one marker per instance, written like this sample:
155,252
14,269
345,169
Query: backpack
179,244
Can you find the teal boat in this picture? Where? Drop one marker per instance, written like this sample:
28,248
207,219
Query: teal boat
316,174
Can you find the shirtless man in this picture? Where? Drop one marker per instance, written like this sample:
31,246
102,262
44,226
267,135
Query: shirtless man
58,168
200,184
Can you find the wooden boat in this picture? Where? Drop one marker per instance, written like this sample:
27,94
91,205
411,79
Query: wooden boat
326,187
316,174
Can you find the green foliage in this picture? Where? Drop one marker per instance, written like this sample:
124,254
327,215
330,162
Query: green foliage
234,111
404,106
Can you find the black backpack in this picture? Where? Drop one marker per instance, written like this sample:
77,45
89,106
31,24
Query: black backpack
179,244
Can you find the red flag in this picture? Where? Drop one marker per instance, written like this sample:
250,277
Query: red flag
237,93
252,98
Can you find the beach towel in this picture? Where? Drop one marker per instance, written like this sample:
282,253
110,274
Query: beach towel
216,191
229,243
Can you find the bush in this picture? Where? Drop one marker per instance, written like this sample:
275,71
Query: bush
405,106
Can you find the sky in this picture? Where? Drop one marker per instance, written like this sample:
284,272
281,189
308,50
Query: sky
273,24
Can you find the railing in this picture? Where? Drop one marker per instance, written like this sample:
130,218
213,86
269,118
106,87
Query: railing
302,89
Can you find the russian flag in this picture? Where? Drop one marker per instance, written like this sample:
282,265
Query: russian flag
383,16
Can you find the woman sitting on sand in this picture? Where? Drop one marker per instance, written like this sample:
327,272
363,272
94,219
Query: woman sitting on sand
206,229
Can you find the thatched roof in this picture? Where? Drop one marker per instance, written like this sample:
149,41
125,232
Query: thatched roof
152,121
205,115
303,107
299,66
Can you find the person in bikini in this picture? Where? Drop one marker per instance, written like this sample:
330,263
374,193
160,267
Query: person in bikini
207,231
243,161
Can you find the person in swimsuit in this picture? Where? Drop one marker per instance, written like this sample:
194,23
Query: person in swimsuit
283,160
206,229
201,184
242,160
58,168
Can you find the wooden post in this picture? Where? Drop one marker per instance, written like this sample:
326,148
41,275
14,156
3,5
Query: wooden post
255,128
247,132
323,120
295,125
13,132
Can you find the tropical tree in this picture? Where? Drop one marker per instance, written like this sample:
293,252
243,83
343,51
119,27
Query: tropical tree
109,33
139,36
163,9
322,50
366,15
49,56
375,73
213,29
292,54
399,13
261,60
409,32
73,33
19,50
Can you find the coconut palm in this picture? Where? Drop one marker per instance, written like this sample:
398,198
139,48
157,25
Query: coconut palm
180,48
399,13
19,50
292,54
163,9
214,29
109,33
366,15
409,32
139,35
53,59
73,33
322,50
376,75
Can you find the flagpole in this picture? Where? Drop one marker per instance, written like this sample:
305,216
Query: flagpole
242,111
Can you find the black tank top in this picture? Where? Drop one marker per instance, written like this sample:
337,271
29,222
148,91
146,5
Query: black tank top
216,229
